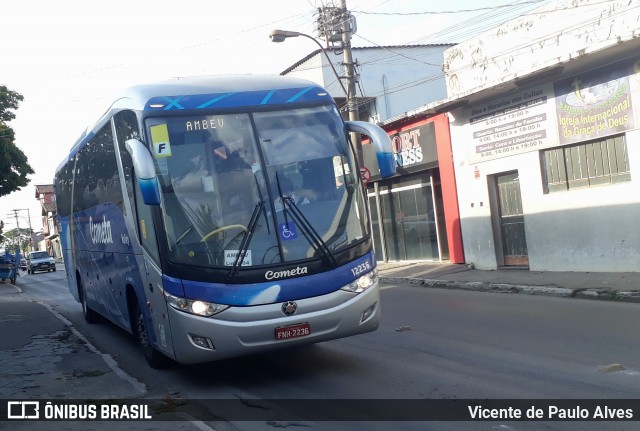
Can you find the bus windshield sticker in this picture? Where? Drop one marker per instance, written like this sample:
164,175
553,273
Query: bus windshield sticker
230,257
204,124
160,139
288,231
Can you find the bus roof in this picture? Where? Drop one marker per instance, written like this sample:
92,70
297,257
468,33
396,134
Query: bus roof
215,91
225,87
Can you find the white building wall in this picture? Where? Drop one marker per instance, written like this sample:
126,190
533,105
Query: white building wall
588,229
582,229
555,33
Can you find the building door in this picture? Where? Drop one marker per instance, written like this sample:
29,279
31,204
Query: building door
511,220
406,216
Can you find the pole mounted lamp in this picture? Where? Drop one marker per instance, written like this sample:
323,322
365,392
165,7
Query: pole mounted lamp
281,35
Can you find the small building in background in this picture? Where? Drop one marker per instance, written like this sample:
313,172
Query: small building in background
50,240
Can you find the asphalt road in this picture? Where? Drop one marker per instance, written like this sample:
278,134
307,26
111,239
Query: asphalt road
432,343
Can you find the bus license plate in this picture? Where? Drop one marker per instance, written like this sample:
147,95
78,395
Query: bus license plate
293,331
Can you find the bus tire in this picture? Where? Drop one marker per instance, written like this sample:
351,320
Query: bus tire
154,358
90,316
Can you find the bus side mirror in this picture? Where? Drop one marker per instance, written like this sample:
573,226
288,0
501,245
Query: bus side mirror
145,171
381,143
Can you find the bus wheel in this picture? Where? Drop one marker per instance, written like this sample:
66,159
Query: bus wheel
90,316
154,358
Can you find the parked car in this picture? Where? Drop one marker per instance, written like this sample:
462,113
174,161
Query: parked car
23,264
40,261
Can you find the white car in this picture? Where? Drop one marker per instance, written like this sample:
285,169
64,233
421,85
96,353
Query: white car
40,261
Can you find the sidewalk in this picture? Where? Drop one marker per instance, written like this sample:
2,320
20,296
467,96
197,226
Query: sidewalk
43,356
617,286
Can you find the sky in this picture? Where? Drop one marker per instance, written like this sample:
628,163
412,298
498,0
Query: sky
71,58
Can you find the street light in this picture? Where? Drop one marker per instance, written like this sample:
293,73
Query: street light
281,35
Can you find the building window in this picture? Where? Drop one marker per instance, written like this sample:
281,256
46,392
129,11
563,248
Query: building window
588,164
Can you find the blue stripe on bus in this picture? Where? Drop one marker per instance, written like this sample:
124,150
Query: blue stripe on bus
267,97
268,292
173,102
237,99
299,94
215,100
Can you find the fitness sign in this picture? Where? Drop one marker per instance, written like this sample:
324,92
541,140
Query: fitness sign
412,148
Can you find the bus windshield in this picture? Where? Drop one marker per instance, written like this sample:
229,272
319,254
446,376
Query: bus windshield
250,189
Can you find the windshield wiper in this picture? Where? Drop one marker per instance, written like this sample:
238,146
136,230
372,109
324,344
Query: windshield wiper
264,209
246,240
308,230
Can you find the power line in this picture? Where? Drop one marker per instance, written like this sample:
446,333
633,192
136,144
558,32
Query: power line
398,53
450,11
517,50
469,25
520,49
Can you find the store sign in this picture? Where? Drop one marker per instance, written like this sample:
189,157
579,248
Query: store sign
595,104
406,148
414,149
579,108
511,125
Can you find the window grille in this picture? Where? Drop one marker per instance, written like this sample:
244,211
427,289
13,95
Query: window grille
588,164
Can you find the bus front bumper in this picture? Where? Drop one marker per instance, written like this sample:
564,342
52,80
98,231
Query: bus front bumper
240,331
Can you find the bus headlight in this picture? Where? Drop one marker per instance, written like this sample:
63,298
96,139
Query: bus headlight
362,283
197,307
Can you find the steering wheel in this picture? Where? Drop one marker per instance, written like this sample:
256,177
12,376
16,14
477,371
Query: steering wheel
222,229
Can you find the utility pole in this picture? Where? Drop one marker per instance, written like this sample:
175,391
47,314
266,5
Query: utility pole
350,75
15,214
31,241
336,25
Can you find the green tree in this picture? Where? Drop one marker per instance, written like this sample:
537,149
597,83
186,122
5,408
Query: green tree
17,237
14,166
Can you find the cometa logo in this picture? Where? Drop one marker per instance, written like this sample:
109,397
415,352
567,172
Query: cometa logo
100,231
274,275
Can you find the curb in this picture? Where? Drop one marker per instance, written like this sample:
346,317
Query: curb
483,286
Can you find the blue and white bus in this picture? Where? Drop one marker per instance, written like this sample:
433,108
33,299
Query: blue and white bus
214,217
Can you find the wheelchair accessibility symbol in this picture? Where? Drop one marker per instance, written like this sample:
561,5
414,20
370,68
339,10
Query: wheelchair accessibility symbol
288,231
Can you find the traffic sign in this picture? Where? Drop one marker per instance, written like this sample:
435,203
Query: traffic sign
365,174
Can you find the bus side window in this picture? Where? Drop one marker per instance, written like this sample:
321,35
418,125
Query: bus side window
126,125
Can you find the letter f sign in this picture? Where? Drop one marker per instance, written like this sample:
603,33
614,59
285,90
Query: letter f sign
162,149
